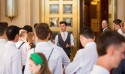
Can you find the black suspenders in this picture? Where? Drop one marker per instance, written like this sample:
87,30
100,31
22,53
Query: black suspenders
50,54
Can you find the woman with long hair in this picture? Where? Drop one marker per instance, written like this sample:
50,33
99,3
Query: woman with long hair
38,64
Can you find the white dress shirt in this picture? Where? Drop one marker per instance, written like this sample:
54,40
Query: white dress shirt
66,34
23,50
65,58
99,70
84,60
55,61
120,32
10,59
2,42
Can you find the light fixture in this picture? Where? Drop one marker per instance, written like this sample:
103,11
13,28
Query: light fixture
11,9
94,2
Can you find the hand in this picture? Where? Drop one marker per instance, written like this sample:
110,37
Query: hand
67,45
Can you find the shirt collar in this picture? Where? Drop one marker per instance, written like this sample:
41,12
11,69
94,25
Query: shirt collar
90,44
11,43
3,40
100,68
42,43
105,28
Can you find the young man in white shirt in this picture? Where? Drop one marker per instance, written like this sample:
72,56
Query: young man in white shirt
86,57
3,26
21,45
65,39
10,57
117,24
52,54
110,47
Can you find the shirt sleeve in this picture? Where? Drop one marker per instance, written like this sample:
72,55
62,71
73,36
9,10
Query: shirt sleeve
66,59
16,63
56,39
71,40
74,66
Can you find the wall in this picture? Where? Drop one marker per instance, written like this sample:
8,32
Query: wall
28,13
121,10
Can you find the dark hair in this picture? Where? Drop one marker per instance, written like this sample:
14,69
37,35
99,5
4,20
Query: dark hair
35,25
63,22
3,26
42,31
28,28
87,32
117,21
44,69
106,39
12,31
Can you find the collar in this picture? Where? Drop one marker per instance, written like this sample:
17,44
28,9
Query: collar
90,44
42,43
105,28
3,40
11,43
100,68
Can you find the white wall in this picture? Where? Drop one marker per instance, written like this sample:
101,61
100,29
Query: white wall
121,9
28,13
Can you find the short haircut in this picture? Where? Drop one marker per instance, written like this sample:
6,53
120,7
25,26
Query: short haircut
106,39
63,22
3,26
30,35
42,31
87,32
28,28
106,21
22,32
12,31
117,22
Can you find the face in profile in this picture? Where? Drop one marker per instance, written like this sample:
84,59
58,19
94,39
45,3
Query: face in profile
116,27
34,67
118,55
104,24
63,27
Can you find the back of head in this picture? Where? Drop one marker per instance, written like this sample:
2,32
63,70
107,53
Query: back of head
3,26
11,32
22,32
117,22
45,67
42,31
28,28
30,35
87,32
107,39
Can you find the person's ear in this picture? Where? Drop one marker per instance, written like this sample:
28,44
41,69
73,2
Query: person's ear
81,37
111,50
38,67
48,36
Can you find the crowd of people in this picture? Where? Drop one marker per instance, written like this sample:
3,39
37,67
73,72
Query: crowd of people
24,51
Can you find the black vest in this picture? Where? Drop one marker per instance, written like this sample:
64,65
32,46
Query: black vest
62,43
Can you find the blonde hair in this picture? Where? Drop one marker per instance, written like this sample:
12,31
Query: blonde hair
22,32
30,35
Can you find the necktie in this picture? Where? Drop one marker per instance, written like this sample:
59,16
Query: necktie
63,36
